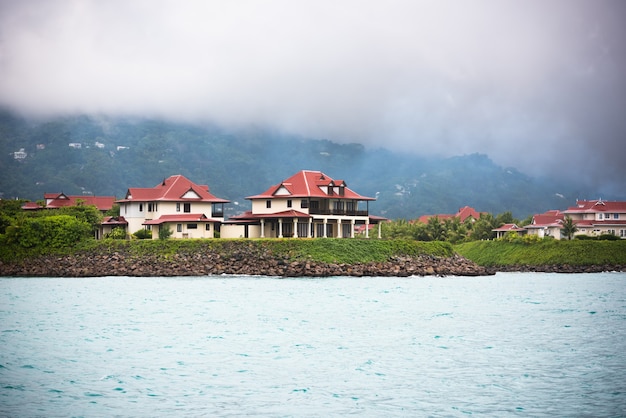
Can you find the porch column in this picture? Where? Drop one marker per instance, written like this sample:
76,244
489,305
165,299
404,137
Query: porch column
310,226
352,228
280,227
367,228
295,227
325,222
262,228
379,235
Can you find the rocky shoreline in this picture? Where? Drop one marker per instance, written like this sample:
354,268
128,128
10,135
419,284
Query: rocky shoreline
211,263
95,264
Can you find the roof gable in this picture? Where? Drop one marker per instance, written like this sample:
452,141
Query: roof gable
173,188
308,183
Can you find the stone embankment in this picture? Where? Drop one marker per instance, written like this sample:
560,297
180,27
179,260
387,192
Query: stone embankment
211,263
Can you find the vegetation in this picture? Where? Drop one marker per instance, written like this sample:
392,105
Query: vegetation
140,153
529,252
569,227
450,230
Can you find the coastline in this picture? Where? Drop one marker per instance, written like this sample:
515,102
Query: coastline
206,264
94,264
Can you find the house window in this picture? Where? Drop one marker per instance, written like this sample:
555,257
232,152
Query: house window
611,232
288,203
192,226
268,204
622,233
141,207
616,216
186,207
179,227
207,227
177,207
152,207
304,203
606,216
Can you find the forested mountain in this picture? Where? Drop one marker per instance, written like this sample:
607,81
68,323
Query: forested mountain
109,155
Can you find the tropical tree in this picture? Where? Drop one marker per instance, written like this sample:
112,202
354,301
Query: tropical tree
569,228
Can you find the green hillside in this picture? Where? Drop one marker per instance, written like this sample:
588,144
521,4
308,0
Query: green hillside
115,154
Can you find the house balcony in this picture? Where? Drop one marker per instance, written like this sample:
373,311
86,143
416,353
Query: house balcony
337,212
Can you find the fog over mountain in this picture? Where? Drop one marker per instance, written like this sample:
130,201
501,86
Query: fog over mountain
536,85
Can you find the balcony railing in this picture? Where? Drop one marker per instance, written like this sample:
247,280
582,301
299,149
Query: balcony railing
217,213
340,212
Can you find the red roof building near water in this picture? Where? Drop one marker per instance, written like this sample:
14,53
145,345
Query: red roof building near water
173,188
309,204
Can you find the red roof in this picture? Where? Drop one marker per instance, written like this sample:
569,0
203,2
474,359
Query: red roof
114,220
187,217
31,206
59,200
307,183
463,213
174,188
551,218
508,227
593,206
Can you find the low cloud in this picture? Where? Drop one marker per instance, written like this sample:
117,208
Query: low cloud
536,85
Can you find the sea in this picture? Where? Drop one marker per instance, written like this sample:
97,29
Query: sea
512,344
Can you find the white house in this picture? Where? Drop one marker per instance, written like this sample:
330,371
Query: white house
187,209
308,204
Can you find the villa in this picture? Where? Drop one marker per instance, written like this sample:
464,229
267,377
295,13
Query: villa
187,209
309,204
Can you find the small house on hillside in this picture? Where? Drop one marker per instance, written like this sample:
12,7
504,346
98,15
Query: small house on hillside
309,204
187,209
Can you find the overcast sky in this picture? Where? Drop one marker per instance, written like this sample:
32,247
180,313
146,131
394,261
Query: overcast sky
539,85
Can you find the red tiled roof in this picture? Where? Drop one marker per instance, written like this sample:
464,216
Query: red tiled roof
592,206
307,183
463,213
114,220
59,200
551,218
173,188
31,206
187,217
508,227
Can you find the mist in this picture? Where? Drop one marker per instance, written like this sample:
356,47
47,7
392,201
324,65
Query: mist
535,85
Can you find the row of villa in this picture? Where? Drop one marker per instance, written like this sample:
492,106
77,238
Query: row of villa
308,204
591,217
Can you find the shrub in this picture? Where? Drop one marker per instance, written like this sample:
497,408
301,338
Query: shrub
116,233
164,232
52,232
143,234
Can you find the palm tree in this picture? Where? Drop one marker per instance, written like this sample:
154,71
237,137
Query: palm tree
569,227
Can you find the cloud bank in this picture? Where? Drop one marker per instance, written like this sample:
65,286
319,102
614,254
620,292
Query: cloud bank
536,85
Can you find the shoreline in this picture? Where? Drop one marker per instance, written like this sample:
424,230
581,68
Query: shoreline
212,263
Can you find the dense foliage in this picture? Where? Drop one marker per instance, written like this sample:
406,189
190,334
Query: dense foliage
115,154
24,233
451,230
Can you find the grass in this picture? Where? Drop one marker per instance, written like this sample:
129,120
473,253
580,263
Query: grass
545,252
329,250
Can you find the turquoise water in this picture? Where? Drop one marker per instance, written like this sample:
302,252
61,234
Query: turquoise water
512,344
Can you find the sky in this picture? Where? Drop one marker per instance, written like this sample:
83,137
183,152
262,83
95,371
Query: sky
536,85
